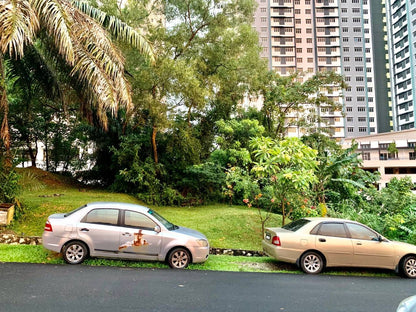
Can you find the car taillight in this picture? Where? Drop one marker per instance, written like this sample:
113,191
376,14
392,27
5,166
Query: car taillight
276,240
48,226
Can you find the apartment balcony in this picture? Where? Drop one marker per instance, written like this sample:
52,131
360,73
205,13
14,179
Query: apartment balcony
284,71
402,100
281,3
329,68
283,63
398,37
327,12
282,32
327,22
283,51
329,52
326,3
328,42
283,42
402,77
278,12
327,32
282,22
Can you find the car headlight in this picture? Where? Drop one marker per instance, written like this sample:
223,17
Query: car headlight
202,242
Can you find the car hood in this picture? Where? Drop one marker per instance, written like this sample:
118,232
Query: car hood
404,246
189,232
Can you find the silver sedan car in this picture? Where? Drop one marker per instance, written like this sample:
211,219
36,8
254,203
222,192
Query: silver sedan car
316,243
124,231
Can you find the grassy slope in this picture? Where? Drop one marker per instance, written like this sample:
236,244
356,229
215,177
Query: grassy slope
225,226
235,227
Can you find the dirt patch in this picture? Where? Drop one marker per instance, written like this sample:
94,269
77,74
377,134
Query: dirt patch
269,266
49,178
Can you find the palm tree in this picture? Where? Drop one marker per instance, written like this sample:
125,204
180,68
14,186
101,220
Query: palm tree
80,35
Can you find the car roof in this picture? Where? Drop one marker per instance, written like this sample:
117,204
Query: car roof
117,205
321,219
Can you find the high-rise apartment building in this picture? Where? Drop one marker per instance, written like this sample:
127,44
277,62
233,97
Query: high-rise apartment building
344,36
401,25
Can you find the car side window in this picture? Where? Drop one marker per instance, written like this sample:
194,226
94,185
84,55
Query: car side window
102,216
358,231
332,229
138,220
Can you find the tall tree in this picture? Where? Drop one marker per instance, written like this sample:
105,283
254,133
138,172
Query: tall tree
208,60
80,39
290,100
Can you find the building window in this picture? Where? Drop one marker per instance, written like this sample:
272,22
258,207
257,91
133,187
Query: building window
412,155
366,156
383,156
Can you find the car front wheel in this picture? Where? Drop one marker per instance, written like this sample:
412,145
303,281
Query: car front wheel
312,263
409,267
75,252
179,258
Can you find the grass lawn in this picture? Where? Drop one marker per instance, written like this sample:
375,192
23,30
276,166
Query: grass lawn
225,226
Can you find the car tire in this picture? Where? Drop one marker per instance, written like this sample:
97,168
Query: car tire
408,267
312,262
75,252
179,258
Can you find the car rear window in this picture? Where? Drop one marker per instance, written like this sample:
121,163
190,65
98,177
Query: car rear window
73,211
296,225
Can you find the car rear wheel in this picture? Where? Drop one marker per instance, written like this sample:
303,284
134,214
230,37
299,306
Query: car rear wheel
409,267
179,258
312,263
75,252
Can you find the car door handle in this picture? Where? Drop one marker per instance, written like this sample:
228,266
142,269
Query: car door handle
84,230
322,240
359,243
126,234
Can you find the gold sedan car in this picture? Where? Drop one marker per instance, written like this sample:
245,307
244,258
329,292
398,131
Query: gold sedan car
316,243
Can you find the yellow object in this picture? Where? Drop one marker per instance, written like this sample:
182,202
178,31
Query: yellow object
6,213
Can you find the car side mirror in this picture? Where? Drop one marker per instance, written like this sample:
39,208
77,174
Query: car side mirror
157,229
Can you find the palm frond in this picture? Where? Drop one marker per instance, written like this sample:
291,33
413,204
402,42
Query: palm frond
352,182
18,26
99,64
56,18
118,28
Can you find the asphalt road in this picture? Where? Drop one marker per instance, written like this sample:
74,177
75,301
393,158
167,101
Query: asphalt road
37,287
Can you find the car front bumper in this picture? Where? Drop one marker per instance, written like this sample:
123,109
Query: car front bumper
199,254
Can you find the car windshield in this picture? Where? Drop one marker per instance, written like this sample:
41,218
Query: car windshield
295,225
166,223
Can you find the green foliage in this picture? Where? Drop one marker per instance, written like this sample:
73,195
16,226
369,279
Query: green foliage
203,182
338,171
286,94
9,183
391,211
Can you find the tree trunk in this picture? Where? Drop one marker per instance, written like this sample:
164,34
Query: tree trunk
154,146
283,214
4,108
32,153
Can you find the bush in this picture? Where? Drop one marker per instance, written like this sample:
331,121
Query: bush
9,183
391,211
